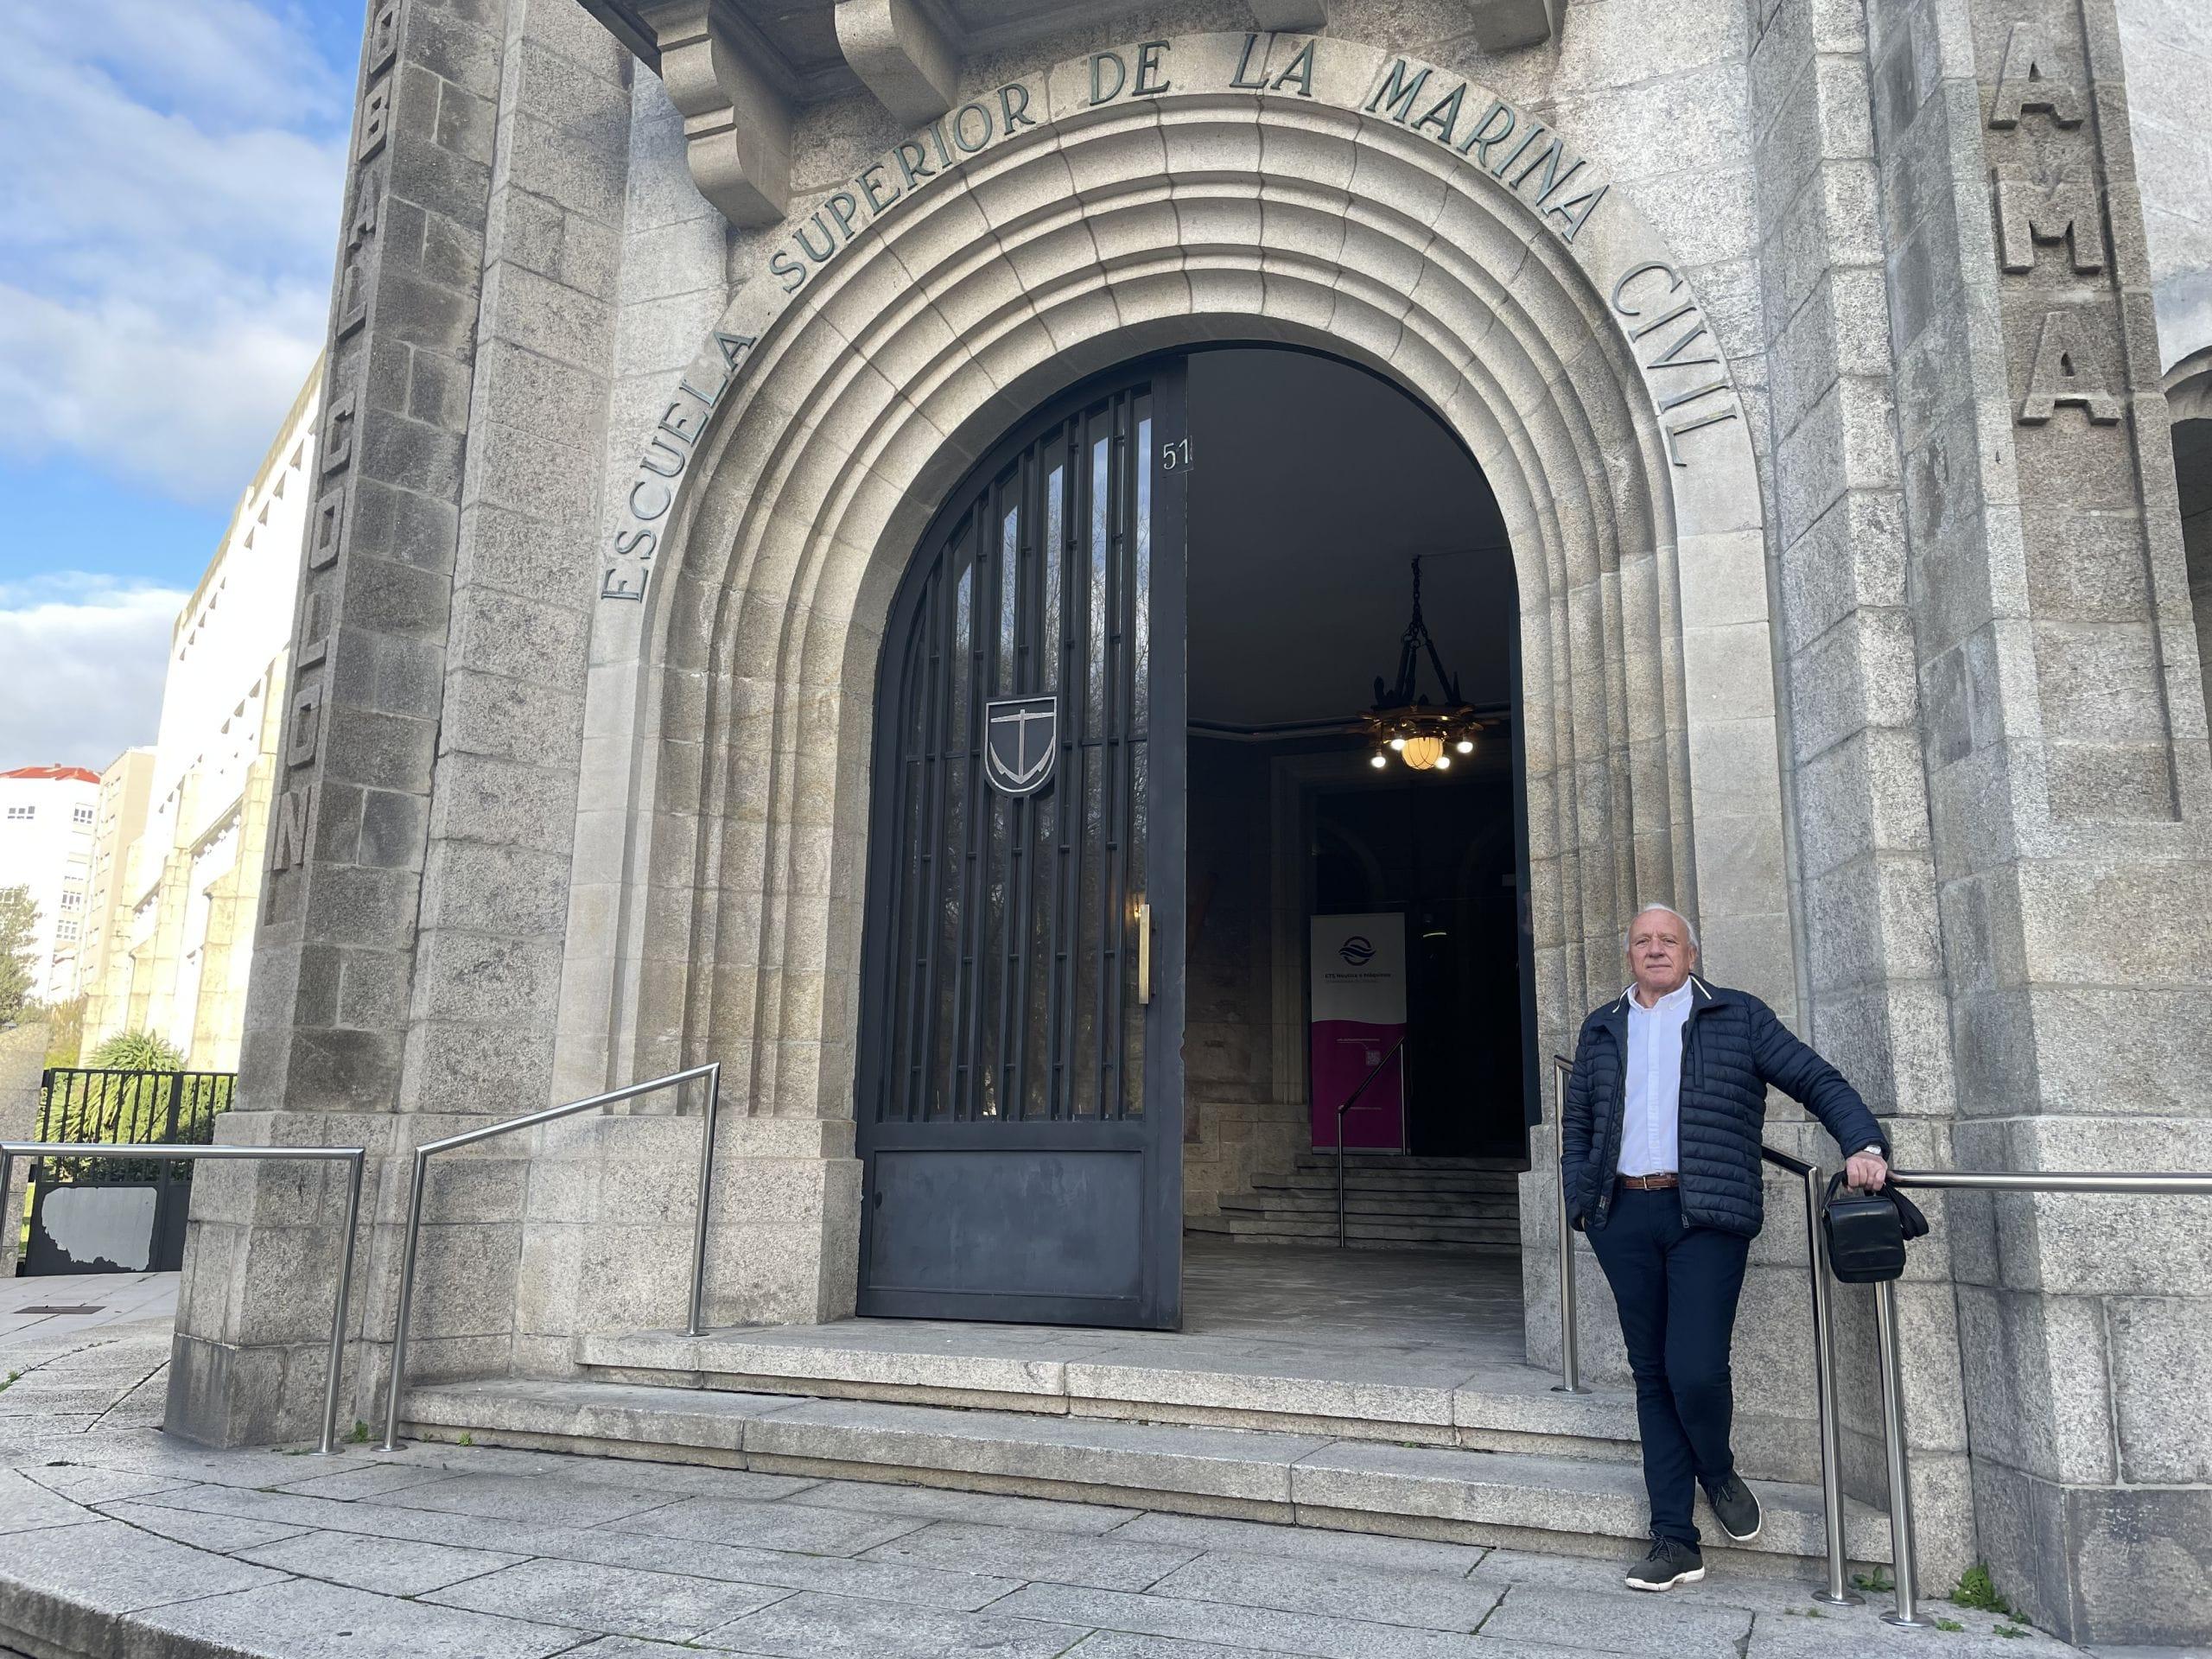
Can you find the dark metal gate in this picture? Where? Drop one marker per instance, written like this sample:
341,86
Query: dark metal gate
1019,1079
93,1215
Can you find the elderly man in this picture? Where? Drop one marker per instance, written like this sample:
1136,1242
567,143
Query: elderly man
1662,1170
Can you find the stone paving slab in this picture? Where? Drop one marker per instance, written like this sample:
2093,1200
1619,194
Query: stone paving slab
116,1542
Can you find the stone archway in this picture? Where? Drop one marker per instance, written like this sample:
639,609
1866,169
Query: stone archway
723,814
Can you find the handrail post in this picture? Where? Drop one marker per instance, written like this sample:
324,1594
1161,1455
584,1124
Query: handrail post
1570,1343
712,1072
706,1180
1905,1563
406,1299
166,1153
1340,1176
1838,1592
354,1168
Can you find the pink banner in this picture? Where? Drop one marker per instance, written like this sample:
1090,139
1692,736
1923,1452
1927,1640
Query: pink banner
1357,1016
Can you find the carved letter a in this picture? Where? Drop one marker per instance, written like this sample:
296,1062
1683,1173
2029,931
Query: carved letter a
2065,371
2029,78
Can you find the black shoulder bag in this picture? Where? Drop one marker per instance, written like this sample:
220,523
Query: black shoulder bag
1866,1231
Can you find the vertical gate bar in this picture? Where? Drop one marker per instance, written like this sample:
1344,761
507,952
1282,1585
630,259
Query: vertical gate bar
922,874
967,990
337,1369
1068,859
1905,1565
929,898
1028,604
1113,897
1838,1592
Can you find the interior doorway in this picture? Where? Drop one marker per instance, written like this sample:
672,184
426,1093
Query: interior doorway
1314,486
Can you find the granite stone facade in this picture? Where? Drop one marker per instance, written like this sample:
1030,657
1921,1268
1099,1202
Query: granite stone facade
1811,351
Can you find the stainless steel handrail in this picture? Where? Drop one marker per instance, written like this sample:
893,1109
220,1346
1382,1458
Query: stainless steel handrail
713,1073
357,1156
1904,1550
1341,1110
1813,1181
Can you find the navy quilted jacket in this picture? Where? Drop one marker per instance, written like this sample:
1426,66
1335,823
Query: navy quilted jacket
1732,1048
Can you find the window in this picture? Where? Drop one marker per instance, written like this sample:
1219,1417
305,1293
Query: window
65,930
73,901
21,813
81,815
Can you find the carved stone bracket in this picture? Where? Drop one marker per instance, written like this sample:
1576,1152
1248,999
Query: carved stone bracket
900,56
737,126
1291,16
1502,25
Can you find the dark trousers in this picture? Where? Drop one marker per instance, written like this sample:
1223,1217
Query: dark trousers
1676,1288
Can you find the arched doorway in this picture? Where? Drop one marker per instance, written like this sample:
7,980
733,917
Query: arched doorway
723,819
1145,620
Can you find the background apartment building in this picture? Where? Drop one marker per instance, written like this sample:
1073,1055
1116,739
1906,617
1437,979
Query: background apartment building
45,847
181,936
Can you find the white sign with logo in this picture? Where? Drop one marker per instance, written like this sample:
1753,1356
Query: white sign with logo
1358,968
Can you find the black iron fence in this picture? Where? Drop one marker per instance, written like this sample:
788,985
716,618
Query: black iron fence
90,1215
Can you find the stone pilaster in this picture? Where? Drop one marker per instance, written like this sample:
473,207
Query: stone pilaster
2063,738
1864,878
334,947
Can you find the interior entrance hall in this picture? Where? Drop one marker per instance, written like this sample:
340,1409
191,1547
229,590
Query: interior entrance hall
1354,927
1196,858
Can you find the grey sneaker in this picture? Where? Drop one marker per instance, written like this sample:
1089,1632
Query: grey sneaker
1737,1509
1670,1562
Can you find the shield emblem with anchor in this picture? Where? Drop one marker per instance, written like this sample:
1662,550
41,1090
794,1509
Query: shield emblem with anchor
1021,736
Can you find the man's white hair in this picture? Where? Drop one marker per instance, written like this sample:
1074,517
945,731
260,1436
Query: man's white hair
1688,926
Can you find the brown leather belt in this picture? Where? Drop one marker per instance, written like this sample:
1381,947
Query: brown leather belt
1652,1183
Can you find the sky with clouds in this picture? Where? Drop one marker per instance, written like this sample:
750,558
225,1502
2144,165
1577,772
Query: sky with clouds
168,211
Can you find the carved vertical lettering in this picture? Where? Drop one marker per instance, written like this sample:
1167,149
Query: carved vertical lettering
2065,370
336,448
2031,79
2029,213
290,820
304,741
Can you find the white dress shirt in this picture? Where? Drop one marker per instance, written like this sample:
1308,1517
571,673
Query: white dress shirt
1650,1133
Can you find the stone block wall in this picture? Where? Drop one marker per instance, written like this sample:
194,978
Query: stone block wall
23,1058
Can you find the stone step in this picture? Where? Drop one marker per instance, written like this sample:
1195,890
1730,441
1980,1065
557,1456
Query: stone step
1513,1500
1320,1180
1358,1202
1371,1230
1359,1161
1441,1397
1234,1232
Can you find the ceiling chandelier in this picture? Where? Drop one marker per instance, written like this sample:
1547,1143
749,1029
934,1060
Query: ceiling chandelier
1404,723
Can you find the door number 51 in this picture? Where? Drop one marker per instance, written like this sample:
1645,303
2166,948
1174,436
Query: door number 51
1175,456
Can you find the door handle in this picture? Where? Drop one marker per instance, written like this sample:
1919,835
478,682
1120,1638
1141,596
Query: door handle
1144,954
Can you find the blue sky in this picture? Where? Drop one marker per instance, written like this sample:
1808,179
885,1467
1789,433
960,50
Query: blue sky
168,209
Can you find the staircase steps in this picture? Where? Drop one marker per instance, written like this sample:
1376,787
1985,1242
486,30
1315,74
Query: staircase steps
1391,1202
1521,1499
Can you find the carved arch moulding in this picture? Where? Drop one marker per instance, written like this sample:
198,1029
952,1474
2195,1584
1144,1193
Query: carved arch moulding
1165,193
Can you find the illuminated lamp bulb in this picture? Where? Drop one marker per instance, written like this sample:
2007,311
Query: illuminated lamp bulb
1397,742
1376,759
1467,746
1423,751
1444,763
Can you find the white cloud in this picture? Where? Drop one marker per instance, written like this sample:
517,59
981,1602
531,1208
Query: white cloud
86,659
167,219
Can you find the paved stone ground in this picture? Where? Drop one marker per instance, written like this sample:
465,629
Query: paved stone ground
477,1552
